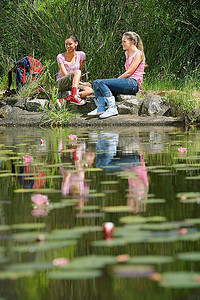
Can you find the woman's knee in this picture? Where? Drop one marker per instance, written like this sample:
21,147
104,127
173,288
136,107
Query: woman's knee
76,73
97,82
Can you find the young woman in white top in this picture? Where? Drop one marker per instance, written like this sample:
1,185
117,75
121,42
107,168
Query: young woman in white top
70,66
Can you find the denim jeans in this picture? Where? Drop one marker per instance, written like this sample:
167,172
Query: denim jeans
105,87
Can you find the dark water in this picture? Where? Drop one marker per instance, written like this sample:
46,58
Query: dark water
134,172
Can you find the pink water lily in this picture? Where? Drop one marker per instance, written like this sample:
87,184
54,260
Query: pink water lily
42,142
39,199
27,159
61,261
182,150
72,137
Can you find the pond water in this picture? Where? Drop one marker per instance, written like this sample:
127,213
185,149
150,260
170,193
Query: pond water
62,188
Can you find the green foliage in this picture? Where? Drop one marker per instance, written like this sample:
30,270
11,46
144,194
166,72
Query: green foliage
183,103
169,30
59,117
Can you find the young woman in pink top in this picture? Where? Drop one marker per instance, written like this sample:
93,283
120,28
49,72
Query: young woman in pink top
70,66
127,83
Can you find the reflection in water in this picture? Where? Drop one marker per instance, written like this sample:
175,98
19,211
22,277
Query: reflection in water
106,157
119,156
73,182
138,187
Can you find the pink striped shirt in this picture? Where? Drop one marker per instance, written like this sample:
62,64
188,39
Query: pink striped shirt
138,73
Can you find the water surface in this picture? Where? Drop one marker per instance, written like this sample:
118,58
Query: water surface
145,180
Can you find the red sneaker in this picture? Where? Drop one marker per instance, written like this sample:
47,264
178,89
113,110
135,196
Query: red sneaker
75,99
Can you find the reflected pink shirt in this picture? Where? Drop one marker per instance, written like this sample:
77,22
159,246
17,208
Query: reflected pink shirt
61,59
138,73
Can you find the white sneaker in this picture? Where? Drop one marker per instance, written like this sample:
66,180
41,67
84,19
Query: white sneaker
95,112
111,111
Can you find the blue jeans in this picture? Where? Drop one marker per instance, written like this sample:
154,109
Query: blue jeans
105,87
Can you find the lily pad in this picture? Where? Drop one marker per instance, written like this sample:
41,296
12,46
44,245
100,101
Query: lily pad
45,190
189,256
96,195
27,236
109,182
16,275
91,262
4,227
109,242
185,195
88,207
75,274
194,221
92,169
90,215
28,226
153,200
4,259
132,219
180,280
6,174
114,209
151,259
43,246
34,266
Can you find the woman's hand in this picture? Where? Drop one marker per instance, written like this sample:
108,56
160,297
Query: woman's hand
86,83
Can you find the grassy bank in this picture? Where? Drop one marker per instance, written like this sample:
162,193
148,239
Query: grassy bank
183,94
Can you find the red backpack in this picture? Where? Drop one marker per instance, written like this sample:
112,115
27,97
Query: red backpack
24,69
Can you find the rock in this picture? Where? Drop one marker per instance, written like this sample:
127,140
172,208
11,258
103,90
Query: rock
18,102
154,105
36,104
130,107
122,98
5,110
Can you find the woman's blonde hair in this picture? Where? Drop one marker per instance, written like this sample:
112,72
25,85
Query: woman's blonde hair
133,36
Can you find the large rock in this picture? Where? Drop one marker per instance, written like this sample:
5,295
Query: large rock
36,104
130,107
154,105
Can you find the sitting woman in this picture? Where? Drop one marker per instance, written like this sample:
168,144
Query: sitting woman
70,66
127,83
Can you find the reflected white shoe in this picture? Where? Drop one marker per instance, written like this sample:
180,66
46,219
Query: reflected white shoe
111,111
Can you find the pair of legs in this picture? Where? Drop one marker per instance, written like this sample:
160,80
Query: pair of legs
71,81
103,89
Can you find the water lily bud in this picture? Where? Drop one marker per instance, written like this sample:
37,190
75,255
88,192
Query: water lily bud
108,228
182,231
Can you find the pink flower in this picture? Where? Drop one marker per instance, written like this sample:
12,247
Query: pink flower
182,150
27,159
72,137
42,142
39,199
61,261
